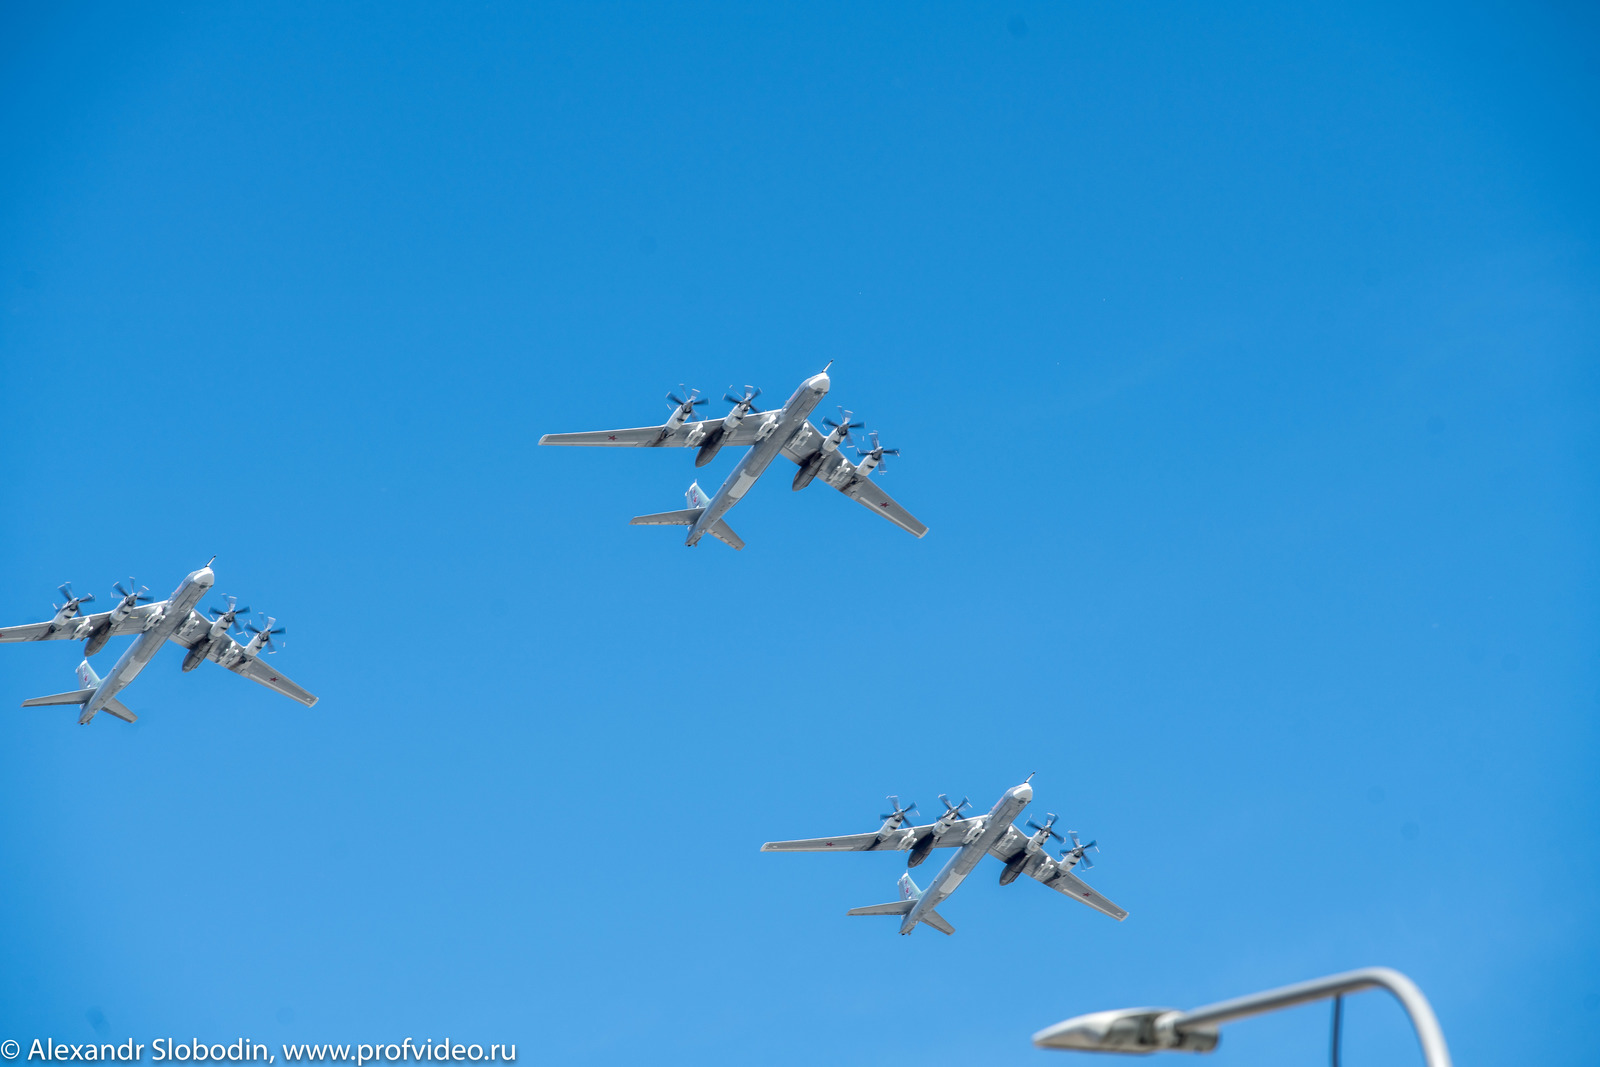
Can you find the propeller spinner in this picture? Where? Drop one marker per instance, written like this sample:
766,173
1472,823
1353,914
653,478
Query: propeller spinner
842,426
872,458
953,811
264,634
1049,821
747,402
230,613
71,606
898,812
1078,851
690,400
132,597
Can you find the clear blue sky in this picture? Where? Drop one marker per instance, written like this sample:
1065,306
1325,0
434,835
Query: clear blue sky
1243,361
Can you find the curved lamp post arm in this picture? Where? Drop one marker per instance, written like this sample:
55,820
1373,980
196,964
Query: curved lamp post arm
1157,1029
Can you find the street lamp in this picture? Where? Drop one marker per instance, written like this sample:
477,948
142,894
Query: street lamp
1167,1029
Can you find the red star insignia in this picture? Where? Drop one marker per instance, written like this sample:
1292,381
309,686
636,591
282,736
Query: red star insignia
884,504
611,437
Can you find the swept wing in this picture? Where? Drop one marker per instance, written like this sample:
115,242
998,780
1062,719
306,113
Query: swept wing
864,491
892,841
230,654
657,436
78,627
1043,869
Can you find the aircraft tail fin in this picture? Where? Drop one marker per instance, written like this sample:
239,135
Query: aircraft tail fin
909,895
86,677
698,502
686,517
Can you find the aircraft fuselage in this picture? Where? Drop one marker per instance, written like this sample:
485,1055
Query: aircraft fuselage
174,613
784,424
970,853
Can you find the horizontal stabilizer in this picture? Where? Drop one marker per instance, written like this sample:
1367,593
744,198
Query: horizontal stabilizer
120,710
686,517
721,531
78,696
935,920
899,907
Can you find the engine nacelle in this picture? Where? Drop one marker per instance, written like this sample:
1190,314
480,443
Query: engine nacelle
920,850
192,658
1011,870
868,464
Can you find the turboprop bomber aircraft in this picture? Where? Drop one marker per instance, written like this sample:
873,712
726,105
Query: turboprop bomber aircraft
973,838
786,431
153,624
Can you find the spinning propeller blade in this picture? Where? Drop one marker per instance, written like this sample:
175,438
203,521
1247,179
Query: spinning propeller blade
877,451
268,629
1081,851
230,612
1049,821
898,810
135,597
748,400
843,423
691,397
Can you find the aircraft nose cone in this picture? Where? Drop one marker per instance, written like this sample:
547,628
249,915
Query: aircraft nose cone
204,576
819,383
1023,792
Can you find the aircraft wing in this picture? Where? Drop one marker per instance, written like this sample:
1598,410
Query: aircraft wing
251,667
848,843
78,628
39,631
1076,888
894,840
864,491
1053,874
656,436
254,669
